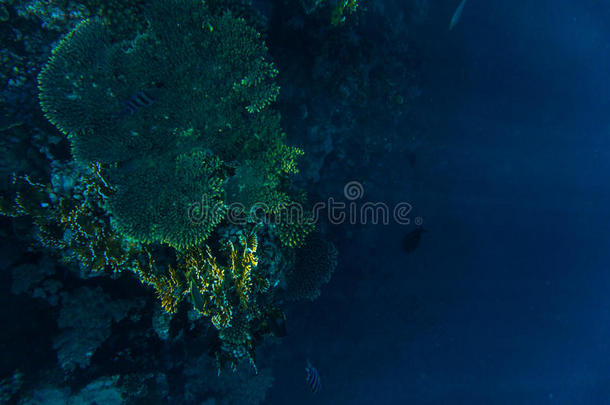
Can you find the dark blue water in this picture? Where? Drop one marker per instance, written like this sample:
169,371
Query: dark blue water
505,156
507,299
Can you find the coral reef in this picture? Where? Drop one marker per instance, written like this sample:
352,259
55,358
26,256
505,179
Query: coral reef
85,319
53,15
345,89
166,165
36,280
9,386
149,110
102,391
183,213
203,114
240,388
342,9
69,218
314,265
228,287
293,227
242,9
334,11
63,15
161,323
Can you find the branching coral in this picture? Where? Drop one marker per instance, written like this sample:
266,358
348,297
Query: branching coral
228,287
218,291
69,218
206,286
167,286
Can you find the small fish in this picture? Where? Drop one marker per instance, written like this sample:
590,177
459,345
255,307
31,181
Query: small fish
139,100
412,239
312,377
412,159
456,15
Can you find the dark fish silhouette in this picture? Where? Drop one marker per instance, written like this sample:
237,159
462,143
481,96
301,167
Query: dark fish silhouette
139,100
412,239
312,377
412,159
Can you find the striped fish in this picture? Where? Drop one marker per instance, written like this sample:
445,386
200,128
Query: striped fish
139,100
312,377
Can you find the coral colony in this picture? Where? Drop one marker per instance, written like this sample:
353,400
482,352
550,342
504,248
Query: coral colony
169,127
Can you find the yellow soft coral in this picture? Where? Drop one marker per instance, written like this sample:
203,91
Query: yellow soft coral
241,266
167,287
73,220
206,286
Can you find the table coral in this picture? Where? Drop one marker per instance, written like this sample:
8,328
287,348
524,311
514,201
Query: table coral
208,85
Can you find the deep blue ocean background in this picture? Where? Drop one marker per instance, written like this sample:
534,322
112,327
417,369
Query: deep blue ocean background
506,299
504,155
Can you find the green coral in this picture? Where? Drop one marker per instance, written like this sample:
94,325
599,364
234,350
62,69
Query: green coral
313,267
294,223
210,85
258,184
181,218
255,187
240,8
294,226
